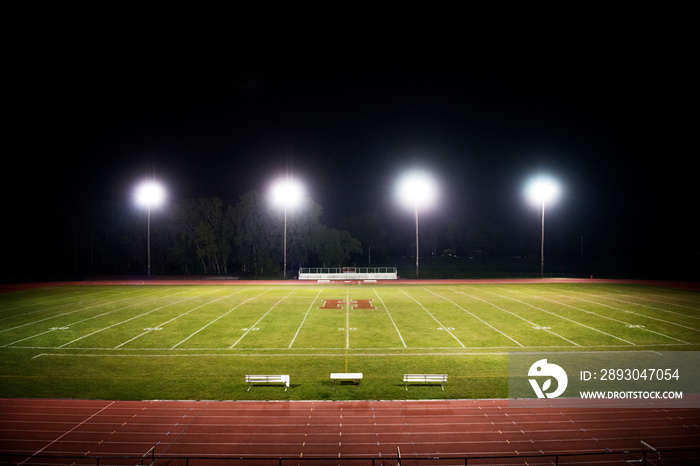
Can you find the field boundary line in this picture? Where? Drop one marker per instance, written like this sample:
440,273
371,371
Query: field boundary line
390,317
220,317
175,318
260,319
475,316
562,317
305,316
397,353
434,318
516,315
606,317
125,321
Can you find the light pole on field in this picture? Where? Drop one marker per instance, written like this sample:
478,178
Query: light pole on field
417,190
542,191
149,194
287,192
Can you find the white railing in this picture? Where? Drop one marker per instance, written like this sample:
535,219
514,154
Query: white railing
347,273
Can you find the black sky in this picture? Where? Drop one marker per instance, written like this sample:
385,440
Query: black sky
606,107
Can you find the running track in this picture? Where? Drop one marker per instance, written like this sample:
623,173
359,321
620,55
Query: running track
332,428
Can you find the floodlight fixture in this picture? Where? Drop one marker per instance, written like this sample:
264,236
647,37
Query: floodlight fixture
541,191
417,190
150,194
288,193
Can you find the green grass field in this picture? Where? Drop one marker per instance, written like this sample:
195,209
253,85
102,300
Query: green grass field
198,342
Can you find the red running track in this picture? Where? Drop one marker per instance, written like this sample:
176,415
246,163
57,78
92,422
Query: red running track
332,428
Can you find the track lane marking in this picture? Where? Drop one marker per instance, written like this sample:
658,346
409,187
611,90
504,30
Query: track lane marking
67,432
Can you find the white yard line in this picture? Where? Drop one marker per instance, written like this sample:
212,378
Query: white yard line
533,324
604,317
649,307
561,317
390,318
80,321
635,313
659,301
476,317
175,318
305,316
347,318
125,321
220,317
259,320
434,318
43,309
63,314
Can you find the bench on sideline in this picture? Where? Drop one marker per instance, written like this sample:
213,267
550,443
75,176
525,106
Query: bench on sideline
251,379
354,376
425,378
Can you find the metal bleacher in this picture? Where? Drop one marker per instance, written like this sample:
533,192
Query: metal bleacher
347,273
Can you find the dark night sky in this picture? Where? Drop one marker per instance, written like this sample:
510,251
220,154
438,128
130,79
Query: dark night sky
601,107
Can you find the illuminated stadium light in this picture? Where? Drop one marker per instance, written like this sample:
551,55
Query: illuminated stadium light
417,190
540,191
150,194
289,193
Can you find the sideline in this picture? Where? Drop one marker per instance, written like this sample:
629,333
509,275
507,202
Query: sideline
680,285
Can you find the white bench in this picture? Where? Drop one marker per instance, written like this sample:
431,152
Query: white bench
251,379
354,376
425,378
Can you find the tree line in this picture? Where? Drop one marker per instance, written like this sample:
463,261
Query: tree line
193,236
57,239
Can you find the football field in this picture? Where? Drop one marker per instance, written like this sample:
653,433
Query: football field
187,341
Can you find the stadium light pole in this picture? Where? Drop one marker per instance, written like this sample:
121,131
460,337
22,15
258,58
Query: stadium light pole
541,191
149,194
417,190
287,192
